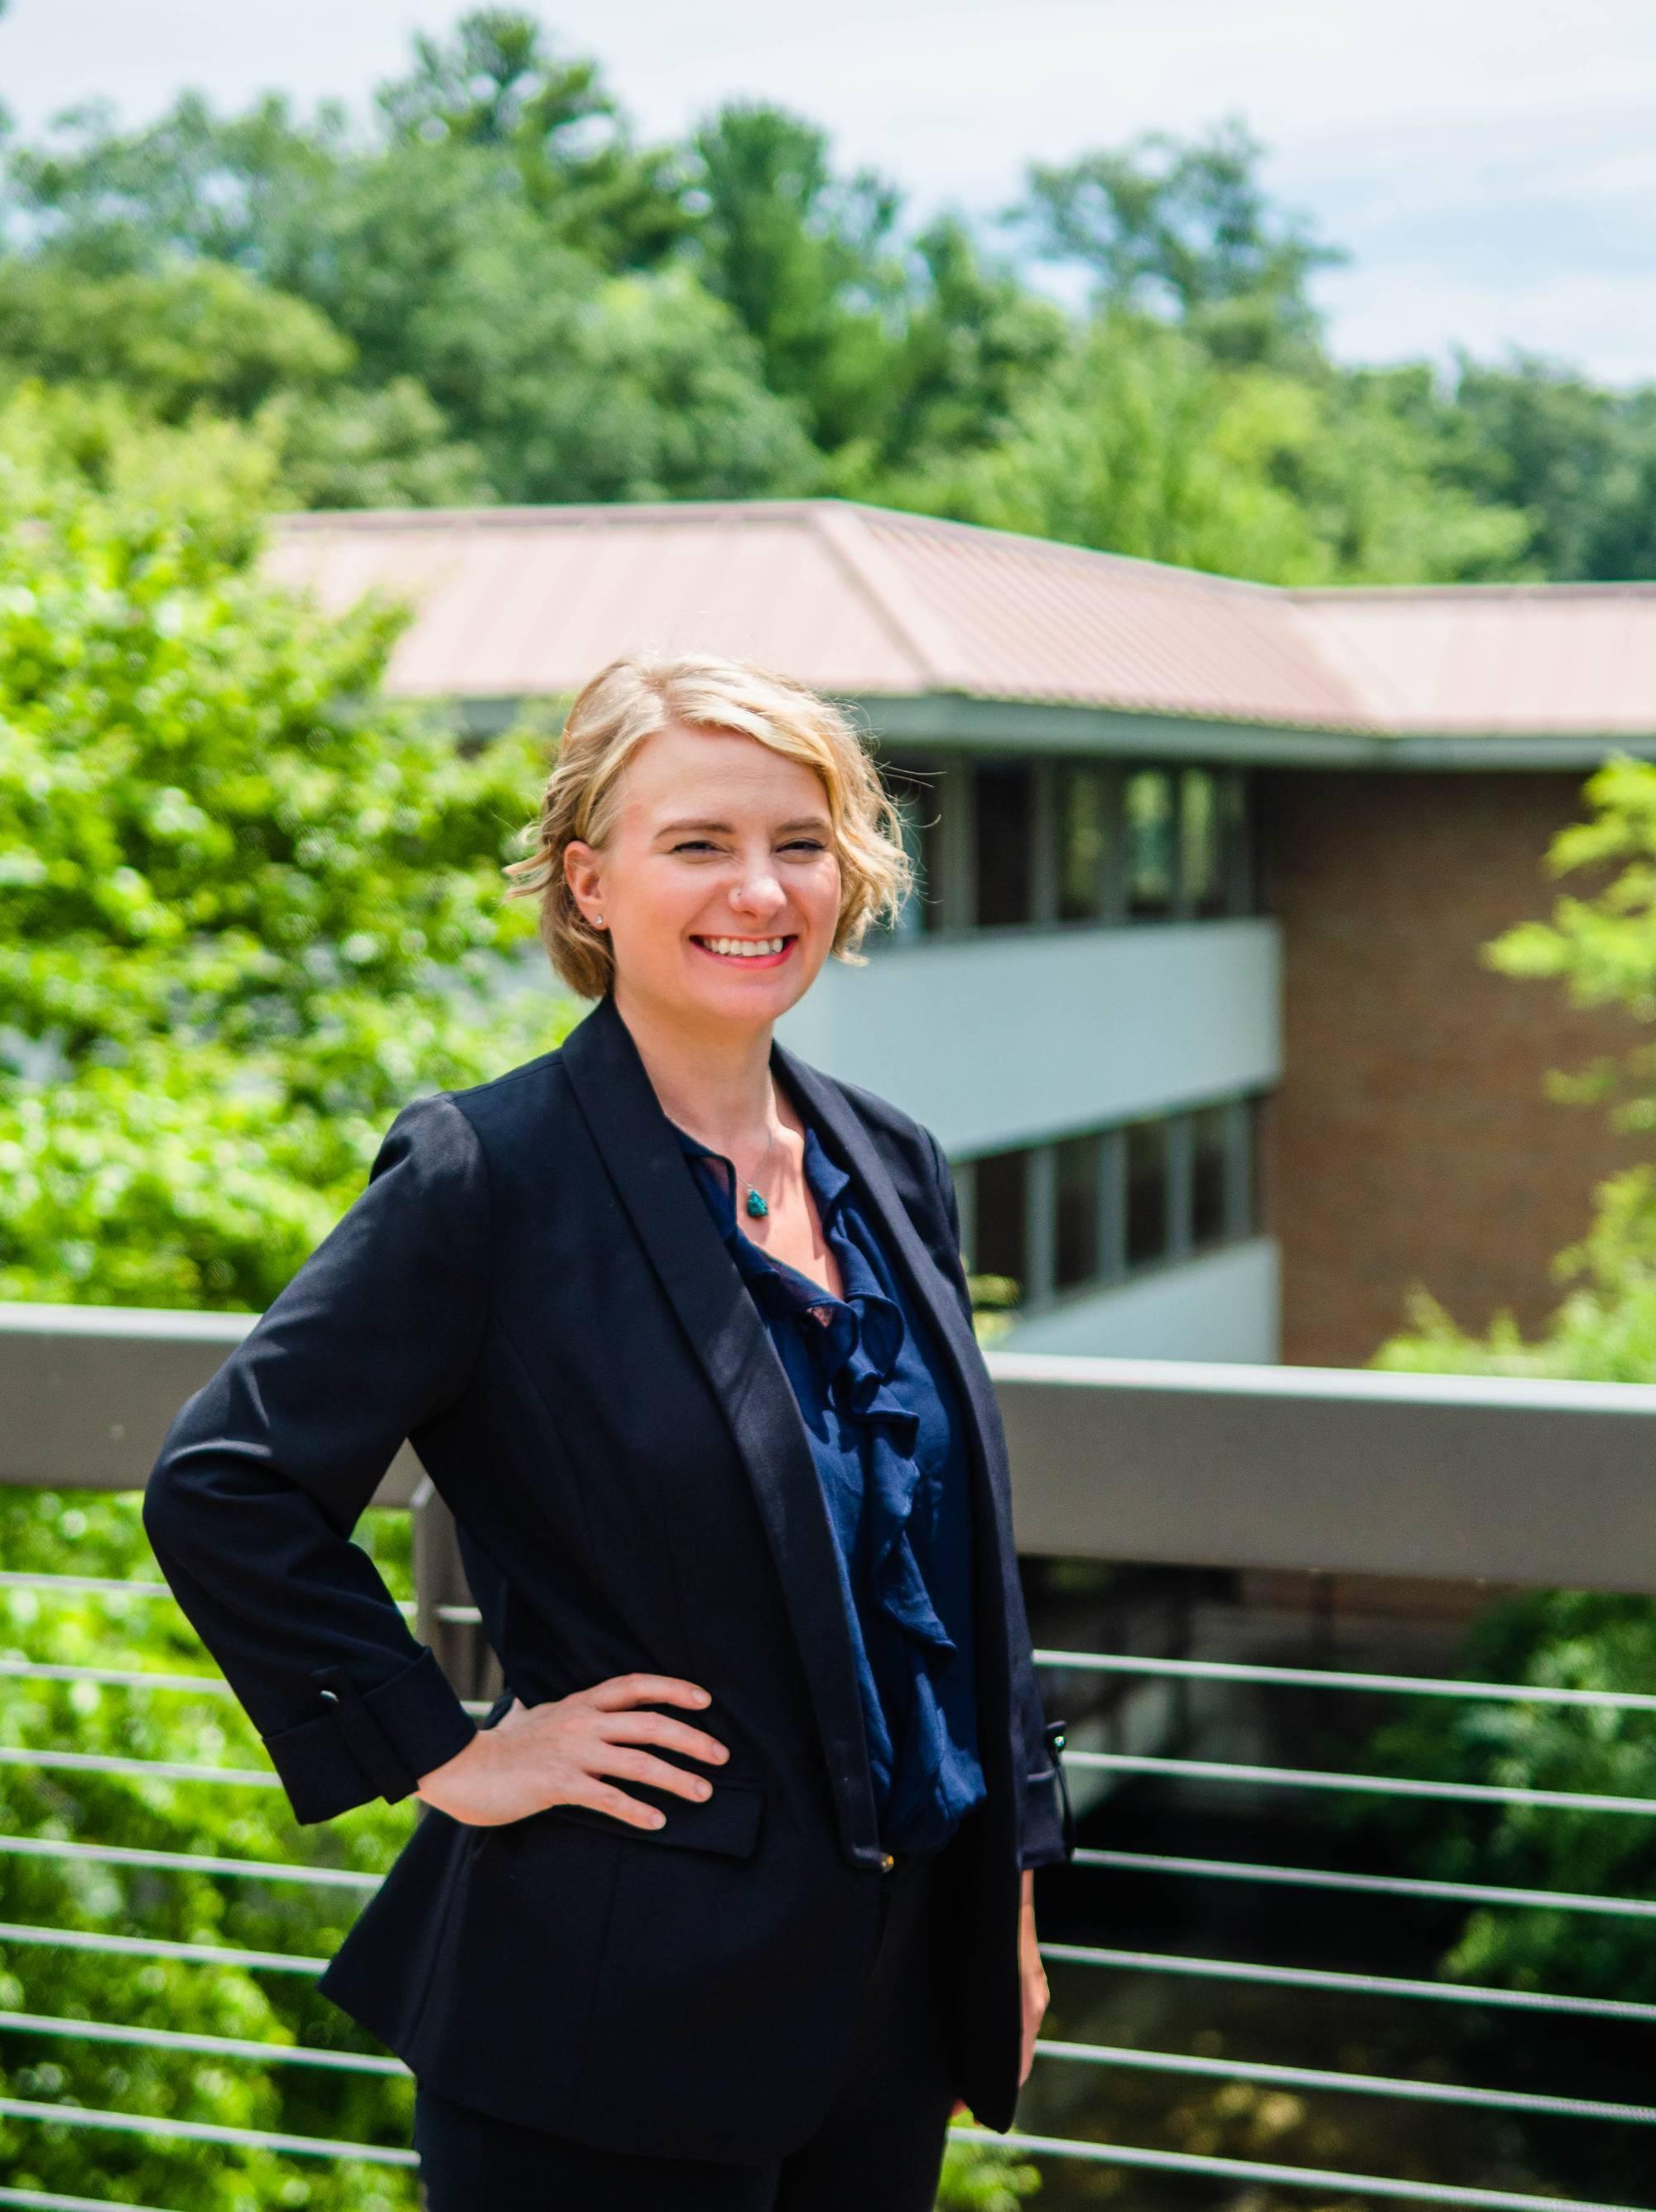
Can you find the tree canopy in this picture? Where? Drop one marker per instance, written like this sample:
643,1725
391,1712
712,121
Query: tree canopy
488,286
247,907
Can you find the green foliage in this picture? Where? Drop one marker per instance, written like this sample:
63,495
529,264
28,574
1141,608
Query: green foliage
1600,945
488,288
200,335
806,259
247,907
496,82
1186,229
95,1536
979,2176
1140,442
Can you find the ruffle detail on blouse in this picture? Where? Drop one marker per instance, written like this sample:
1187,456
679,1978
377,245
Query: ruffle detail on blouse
855,1343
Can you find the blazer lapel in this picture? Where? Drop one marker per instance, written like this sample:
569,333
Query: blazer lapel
637,1144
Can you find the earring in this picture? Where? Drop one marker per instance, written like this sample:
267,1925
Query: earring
598,921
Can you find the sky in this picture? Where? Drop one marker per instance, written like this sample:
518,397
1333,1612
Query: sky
1489,165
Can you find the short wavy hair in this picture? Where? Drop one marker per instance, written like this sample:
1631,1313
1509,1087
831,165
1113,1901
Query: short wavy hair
638,695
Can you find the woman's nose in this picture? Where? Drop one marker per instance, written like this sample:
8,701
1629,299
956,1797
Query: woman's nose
758,893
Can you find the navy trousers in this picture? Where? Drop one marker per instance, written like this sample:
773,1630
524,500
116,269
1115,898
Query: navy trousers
879,2148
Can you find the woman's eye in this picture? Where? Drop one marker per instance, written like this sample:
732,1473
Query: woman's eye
804,844
694,845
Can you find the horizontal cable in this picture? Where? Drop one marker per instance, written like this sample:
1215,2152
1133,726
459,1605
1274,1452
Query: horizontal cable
1294,2177
117,1586
157,1947
1365,2085
1383,1785
1323,1978
51,1847
1379,1885
144,2123
1322,1678
110,1585
222,2046
49,2200
161,1770
124,1678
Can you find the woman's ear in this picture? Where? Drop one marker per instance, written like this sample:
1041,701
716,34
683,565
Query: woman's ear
583,874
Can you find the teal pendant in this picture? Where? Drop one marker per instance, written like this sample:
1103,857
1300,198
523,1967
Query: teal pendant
756,1205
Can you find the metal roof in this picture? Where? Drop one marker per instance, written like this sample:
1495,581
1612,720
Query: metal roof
512,603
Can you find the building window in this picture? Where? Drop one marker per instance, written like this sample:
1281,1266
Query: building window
1211,1151
916,794
1213,844
1005,810
1104,1203
1149,1189
1034,842
1149,850
1000,1217
1076,1191
1083,840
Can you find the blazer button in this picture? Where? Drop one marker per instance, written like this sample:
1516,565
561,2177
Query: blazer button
887,1861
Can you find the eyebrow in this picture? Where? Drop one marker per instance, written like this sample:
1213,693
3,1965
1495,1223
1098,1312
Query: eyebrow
805,822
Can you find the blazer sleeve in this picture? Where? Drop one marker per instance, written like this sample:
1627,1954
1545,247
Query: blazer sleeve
266,1470
1046,1823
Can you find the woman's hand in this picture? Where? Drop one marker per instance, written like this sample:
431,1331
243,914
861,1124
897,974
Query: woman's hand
558,1752
1032,1975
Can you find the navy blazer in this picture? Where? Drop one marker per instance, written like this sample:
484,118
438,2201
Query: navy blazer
532,1289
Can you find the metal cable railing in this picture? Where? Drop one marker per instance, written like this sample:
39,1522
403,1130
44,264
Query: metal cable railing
1331,1678
1369,1885
212,2131
1344,2082
1135,2157
1236,2170
50,2200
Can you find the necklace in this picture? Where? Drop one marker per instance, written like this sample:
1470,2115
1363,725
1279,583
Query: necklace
756,1205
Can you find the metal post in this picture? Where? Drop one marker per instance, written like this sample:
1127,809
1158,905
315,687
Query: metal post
440,1589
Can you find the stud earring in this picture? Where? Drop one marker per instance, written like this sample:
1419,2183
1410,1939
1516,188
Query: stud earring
598,921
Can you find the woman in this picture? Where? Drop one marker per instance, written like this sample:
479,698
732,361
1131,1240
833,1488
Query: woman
728,1901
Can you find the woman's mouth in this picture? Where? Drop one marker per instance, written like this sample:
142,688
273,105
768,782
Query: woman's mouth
747,951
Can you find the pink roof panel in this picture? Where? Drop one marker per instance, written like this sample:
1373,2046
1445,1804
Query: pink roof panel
510,602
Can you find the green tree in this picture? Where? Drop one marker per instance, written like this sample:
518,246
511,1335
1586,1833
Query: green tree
1185,230
1140,442
1580,459
1600,945
973,346
88,1535
805,259
192,183
497,81
569,384
204,335
247,907
445,311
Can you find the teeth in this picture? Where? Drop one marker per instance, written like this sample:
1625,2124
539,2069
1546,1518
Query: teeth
744,948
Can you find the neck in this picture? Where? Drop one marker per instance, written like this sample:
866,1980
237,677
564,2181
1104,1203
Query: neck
714,1082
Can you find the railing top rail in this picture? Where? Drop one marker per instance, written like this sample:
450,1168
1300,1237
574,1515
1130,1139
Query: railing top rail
1227,1378
133,1324
1349,1385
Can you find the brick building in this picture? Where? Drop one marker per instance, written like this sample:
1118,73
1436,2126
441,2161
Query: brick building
1192,989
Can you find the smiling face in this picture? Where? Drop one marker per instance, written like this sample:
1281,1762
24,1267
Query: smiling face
719,886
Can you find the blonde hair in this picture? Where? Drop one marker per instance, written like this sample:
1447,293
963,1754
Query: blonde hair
628,702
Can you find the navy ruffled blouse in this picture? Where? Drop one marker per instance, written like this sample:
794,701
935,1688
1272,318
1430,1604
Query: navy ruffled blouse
889,1447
